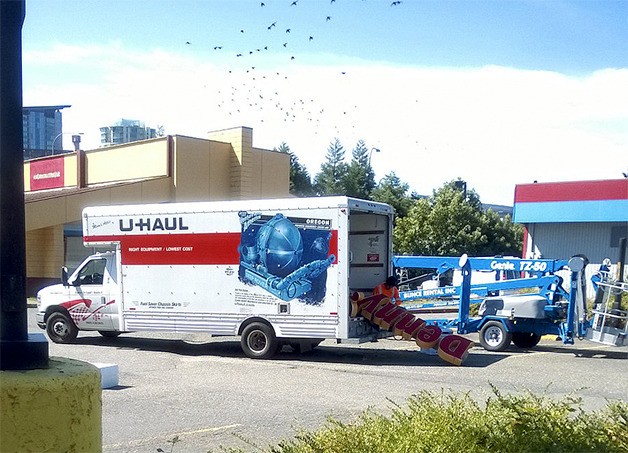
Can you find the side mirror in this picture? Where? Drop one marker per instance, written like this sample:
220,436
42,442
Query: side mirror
64,276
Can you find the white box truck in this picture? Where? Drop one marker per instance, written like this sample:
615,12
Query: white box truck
274,271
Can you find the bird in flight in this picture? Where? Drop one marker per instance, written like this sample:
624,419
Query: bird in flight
398,2
272,25
328,19
188,43
294,3
287,30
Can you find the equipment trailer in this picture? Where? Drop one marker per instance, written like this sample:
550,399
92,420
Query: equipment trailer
524,319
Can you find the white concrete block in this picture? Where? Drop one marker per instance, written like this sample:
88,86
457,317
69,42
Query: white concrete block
108,374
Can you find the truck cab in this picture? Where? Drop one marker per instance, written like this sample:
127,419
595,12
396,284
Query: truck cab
85,300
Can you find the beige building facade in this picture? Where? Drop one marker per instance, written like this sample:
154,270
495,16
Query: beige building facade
175,168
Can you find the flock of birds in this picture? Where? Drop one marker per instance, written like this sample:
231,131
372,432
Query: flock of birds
270,96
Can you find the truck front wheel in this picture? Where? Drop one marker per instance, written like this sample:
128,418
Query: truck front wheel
259,341
525,340
61,329
494,336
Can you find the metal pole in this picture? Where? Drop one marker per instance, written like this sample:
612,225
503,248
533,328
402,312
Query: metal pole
377,150
18,349
621,261
52,152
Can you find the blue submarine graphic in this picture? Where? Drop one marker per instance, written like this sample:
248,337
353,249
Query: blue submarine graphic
287,261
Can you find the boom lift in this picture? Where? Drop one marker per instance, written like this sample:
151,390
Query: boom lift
523,319
520,273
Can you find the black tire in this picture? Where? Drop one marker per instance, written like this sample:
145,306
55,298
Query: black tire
258,341
494,336
61,329
525,340
109,333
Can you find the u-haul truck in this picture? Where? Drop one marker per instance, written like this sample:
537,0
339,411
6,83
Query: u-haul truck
274,272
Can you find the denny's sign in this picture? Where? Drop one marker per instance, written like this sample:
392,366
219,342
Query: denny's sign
382,312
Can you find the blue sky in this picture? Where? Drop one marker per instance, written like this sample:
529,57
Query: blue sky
483,90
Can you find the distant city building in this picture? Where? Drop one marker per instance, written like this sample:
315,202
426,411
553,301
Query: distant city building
125,131
499,209
42,129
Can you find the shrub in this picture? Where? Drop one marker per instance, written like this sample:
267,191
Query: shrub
449,422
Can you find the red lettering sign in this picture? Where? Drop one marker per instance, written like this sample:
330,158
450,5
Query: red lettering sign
47,173
388,316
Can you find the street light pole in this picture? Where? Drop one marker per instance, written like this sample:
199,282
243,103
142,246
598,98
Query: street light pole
377,150
59,135
52,151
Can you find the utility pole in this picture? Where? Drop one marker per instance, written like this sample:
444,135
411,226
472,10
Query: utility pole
19,350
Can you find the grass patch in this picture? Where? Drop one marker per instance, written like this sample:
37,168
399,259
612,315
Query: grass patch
449,422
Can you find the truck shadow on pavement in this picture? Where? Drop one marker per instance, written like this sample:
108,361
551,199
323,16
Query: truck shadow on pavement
374,354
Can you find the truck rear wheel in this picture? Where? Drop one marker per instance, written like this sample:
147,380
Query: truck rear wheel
494,336
61,329
259,341
525,340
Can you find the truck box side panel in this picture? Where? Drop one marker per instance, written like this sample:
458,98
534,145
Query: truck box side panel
212,270
210,266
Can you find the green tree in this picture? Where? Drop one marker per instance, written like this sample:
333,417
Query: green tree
393,191
360,179
503,236
452,222
331,179
300,180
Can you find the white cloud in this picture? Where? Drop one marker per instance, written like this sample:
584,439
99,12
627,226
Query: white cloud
492,126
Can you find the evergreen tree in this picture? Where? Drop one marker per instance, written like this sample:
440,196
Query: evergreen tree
360,180
331,179
300,181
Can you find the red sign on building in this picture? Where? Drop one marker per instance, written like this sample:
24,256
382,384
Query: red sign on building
47,174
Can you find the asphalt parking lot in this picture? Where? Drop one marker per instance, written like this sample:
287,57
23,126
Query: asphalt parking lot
206,392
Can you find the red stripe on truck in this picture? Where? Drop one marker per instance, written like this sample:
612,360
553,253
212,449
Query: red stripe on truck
201,248
204,248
